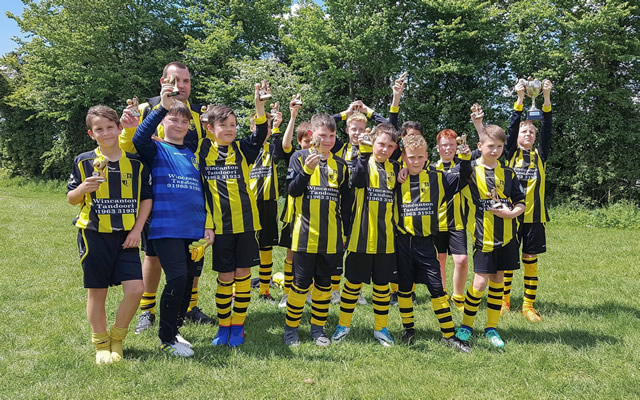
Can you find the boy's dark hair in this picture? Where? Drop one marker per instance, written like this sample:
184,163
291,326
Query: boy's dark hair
101,111
320,120
493,132
303,130
176,64
410,125
180,109
219,114
384,128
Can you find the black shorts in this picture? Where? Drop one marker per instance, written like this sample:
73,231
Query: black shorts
315,266
285,235
363,268
145,243
417,262
452,242
104,262
175,257
235,250
532,237
505,258
268,212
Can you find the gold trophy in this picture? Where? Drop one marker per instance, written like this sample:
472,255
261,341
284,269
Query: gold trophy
298,99
366,139
403,77
275,109
533,88
462,141
100,168
135,106
476,111
495,199
173,80
265,90
315,145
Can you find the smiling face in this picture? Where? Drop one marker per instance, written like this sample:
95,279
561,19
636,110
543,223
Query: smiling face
355,129
447,148
176,127
224,130
104,131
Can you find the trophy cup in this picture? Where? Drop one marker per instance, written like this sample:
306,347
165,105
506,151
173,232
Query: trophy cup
495,199
533,87
315,145
275,109
366,139
173,80
476,111
462,141
403,77
298,99
264,90
100,168
135,103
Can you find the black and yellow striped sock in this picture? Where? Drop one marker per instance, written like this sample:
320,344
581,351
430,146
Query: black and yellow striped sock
394,287
224,293
494,303
320,300
335,283
288,275
148,302
530,281
508,278
194,299
471,305
458,300
443,313
380,300
266,267
295,305
242,299
405,304
348,301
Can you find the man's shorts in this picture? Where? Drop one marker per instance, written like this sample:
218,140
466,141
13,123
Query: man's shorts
452,242
104,262
268,212
145,243
285,236
308,266
505,258
532,237
235,250
362,267
417,261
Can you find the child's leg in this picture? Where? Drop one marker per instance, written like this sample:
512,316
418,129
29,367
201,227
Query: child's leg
348,301
132,291
224,295
265,270
442,258
288,271
460,271
494,299
473,298
151,273
321,298
380,299
97,317
439,300
530,262
242,280
506,297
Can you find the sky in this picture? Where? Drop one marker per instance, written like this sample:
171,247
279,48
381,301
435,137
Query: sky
9,27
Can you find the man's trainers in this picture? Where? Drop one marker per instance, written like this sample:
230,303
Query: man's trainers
494,338
176,349
340,333
506,307
531,314
409,336
318,336
183,341
283,301
291,336
236,336
222,337
198,317
335,297
145,322
457,344
384,337
362,300
393,301
268,298
464,333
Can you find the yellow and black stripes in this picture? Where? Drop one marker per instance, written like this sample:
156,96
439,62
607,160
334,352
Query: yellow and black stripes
194,299
443,314
530,169
148,302
380,299
348,301
453,214
266,267
508,278
530,280
320,300
242,299
471,305
405,305
494,303
288,275
295,305
224,294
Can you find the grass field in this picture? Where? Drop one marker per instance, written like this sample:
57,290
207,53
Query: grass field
586,346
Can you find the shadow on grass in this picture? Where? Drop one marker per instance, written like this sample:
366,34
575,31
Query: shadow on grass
578,339
608,308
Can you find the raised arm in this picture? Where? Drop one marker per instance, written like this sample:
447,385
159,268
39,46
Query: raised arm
294,108
544,146
251,145
514,124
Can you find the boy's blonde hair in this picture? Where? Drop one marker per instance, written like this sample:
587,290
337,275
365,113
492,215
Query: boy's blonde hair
534,128
412,142
493,132
384,128
357,116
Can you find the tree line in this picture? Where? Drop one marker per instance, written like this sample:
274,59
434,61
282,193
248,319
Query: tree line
457,52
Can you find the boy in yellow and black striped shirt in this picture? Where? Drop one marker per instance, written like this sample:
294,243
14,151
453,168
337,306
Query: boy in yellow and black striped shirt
497,200
318,183
114,190
371,244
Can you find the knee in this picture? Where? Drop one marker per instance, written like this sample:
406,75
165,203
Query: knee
302,282
134,289
322,281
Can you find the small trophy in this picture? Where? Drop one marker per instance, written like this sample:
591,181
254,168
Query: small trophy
476,111
403,77
298,99
173,80
264,91
275,109
462,141
134,104
315,144
495,199
533,87
100,168
366,139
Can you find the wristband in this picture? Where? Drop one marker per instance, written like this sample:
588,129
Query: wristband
343,115
259,120
517,107
394,109
546,108
275,130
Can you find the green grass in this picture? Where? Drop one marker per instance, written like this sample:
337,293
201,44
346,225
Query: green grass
586,346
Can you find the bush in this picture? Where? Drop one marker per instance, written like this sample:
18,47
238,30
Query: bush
623,214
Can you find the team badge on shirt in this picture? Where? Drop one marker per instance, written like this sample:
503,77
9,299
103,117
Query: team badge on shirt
126,178
194,161
424,187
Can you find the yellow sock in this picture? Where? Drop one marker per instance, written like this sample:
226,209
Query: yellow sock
117,336
288,275
494,303
295,305
471,305
508,277
335,283
394,287
320,300
148,302
265,270
223,302
380,300
194,299
242,299
102,341
348,301
458,300
530,281
405,304
443,313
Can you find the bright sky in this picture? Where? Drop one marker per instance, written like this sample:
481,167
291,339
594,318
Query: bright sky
8,27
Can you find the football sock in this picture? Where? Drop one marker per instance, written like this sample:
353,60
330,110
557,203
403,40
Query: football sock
458,299
321,298
405,304
335,283
148,302
443,313
394,287
295,305
494,303
348,301
242,299
194,299
224,292
102,341
288,275
380,300
508,277
266,267
471,305
530,281
117,336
